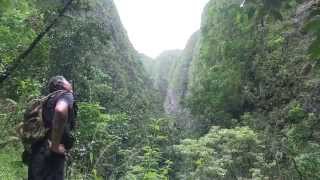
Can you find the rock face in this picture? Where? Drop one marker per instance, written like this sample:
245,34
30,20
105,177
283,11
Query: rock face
178,88
179,77
163,68
171,74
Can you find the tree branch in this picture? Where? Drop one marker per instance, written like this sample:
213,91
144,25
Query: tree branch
297,169
36,41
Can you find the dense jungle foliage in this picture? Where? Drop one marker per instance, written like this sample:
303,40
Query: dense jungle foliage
241,101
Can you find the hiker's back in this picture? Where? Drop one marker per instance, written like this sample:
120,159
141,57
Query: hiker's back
58,113
48,115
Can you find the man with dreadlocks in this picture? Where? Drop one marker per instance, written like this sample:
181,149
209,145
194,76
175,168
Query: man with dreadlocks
48,155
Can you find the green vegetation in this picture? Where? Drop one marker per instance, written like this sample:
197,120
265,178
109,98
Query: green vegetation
241,101
253,75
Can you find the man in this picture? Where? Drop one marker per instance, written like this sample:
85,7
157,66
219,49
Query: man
48,155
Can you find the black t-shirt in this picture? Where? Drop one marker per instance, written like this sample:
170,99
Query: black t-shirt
48,113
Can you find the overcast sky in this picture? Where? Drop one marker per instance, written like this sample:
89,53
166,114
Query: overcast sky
157,25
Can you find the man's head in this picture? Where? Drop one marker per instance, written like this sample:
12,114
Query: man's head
59,83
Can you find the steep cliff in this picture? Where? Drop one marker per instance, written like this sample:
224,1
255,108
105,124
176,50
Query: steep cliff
149,64
179,76
163,69
178,87
254,75
170,73
91,39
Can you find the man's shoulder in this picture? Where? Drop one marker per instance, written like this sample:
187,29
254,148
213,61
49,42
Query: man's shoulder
62,96
68,97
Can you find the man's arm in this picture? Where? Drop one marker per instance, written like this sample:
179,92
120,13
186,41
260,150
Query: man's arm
59,120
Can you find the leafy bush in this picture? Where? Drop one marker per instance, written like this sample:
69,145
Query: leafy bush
222,154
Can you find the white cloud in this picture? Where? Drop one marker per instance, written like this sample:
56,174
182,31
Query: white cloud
157,25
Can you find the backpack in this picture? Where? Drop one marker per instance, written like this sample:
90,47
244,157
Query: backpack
32,129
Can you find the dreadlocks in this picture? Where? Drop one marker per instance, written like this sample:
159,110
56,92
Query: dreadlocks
56,83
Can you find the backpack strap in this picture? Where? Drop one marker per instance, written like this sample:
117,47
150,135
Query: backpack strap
55,96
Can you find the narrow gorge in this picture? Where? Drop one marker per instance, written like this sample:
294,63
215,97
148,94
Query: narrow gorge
240,101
